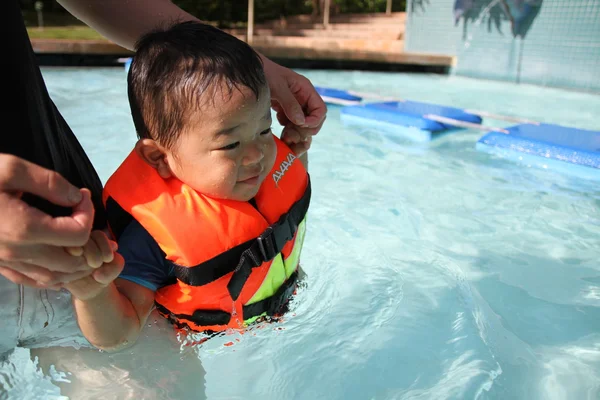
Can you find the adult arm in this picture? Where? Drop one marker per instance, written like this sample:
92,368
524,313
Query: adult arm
124,22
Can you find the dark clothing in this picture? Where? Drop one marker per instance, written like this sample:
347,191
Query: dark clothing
32,127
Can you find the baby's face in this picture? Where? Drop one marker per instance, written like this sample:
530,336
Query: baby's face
227,149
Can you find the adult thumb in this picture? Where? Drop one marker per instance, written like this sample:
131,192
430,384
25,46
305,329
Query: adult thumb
290,105
72,230
21,176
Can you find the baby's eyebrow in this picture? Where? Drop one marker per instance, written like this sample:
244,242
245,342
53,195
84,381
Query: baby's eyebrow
227,131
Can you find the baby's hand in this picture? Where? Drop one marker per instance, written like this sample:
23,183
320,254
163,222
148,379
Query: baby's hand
100,254
297,141
99,249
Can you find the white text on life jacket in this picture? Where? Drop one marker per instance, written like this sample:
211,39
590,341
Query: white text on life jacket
283,167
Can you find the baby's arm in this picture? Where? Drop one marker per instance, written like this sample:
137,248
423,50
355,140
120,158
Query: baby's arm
114,317
110,312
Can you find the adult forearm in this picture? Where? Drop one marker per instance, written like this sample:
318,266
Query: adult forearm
124,22
109,320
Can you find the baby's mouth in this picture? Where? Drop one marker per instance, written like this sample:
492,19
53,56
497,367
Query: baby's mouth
252,178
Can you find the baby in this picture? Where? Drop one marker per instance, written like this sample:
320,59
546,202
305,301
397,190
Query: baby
209,208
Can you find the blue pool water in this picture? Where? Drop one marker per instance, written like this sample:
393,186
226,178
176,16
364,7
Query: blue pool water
434,271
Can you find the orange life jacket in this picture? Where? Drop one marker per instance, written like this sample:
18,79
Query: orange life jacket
233,261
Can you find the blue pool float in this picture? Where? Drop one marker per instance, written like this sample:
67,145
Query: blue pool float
329,95
406,119
560,148
127,64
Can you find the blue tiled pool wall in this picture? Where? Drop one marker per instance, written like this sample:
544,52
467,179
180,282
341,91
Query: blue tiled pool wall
557,42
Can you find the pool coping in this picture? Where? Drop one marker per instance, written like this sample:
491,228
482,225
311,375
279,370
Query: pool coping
278,48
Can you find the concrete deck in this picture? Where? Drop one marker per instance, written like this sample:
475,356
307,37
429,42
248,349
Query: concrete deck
369,38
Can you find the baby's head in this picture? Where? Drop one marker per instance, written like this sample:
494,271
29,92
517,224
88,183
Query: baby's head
201,107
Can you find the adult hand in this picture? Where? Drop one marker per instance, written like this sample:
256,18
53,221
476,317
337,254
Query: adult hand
300,109
32,243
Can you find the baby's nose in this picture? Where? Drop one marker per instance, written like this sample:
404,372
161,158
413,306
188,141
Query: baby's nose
254,154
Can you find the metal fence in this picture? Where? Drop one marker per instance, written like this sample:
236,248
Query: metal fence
547,42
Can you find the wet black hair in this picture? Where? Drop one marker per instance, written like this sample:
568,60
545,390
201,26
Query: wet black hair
176,70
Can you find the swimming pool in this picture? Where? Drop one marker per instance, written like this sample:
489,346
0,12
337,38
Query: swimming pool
434,271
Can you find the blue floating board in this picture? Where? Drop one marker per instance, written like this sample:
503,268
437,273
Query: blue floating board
560,148
127,64
406,118
336,94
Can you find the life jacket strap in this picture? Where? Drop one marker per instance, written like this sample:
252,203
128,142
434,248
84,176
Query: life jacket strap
242,258
271,306
269,244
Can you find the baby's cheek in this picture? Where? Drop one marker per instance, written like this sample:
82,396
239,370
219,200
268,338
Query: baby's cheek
216,179
271,155
230,175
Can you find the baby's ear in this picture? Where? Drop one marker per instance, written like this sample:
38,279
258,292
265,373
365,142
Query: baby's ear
155,156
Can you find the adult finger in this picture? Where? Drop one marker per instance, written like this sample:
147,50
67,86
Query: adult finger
74,251
108,272
302,147
289,104
291,136
41,276
305,133
51,258
73,230
313,105
18,175
18,278
21,279
281,117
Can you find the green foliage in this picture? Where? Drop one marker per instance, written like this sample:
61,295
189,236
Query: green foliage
64,32
368,6
232,11
224,11
273,9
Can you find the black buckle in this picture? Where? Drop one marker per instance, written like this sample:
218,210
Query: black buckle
272,240
284,232
266,245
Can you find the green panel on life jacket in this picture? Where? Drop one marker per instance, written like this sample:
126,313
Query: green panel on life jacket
291,263
280,271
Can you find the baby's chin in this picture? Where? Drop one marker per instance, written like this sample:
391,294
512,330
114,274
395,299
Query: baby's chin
245,192
239,192
245,195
